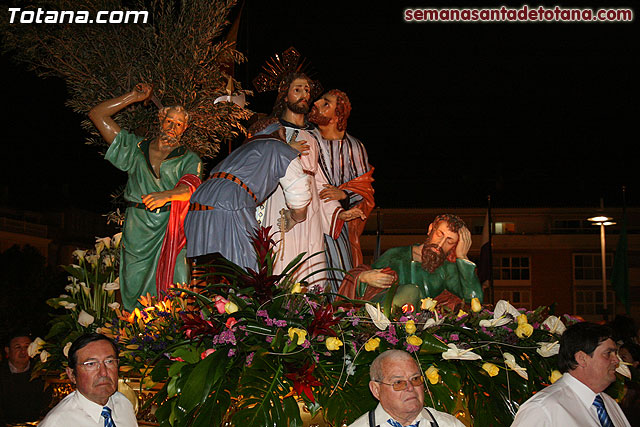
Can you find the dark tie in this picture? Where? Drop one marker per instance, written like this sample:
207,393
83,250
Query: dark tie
605,421
108,421
394,423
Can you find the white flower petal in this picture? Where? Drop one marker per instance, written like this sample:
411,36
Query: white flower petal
555,325
548,349
493,323
623,368
85,319
456,353
378,317
503,307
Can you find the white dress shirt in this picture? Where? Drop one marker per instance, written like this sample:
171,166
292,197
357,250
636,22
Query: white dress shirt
567,403
443,419
75,410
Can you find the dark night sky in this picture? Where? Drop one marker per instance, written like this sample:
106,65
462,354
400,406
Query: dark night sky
542,114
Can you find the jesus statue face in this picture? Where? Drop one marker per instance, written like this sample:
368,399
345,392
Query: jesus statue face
299,96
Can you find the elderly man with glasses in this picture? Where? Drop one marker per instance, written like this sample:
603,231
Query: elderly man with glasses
397,382
93,367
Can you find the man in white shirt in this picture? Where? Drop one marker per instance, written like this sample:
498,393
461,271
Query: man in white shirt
93,367
588,358
396,381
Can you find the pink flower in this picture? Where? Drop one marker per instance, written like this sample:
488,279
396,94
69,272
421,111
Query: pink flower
220,302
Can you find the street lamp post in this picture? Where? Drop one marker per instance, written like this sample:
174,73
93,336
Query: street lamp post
603,221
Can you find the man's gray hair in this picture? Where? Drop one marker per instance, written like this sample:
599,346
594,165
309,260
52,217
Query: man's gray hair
162,113
375,370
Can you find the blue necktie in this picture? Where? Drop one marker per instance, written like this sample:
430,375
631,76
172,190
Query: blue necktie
602,412
394,423
108,421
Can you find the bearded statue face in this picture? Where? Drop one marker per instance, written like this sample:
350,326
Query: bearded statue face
299,96
172,126
324,110
440,242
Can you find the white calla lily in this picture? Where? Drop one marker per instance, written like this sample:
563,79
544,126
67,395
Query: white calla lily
113,286
85,319
44,355
35,347
510,361
456,353
378,317
116,239
548,349
555,325
66,348
79,254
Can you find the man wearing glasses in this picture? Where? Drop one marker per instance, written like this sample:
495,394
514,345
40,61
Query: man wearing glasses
397,382
93,367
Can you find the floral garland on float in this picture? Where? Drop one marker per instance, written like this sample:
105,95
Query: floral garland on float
253,348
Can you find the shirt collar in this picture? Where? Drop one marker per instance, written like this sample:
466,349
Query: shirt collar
585,394
15,370
92,408
382,416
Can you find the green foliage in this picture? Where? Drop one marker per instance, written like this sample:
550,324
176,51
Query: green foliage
181,50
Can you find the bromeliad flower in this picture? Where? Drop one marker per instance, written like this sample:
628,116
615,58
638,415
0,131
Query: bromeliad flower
196,327
303,380
322,322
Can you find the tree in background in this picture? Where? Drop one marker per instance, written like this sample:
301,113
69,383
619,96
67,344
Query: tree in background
181,50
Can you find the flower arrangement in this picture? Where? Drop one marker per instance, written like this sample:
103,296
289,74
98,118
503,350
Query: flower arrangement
249,347
89,303
258,345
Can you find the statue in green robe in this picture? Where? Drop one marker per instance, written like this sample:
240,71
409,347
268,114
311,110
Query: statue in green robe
161,172
426,270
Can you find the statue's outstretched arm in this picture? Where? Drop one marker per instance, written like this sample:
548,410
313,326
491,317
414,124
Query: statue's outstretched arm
101,114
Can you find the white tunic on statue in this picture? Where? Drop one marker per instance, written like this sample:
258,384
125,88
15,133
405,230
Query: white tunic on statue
307,236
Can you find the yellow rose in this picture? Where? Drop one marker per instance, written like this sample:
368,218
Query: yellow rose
428,304
433,375
333,343
230,307
410,327
296,289
414,340
555,376
475,305
301,333
522,319
491,369
372,344
524,330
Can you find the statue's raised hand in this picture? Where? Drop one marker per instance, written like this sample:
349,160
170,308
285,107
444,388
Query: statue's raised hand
142,92
464,243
